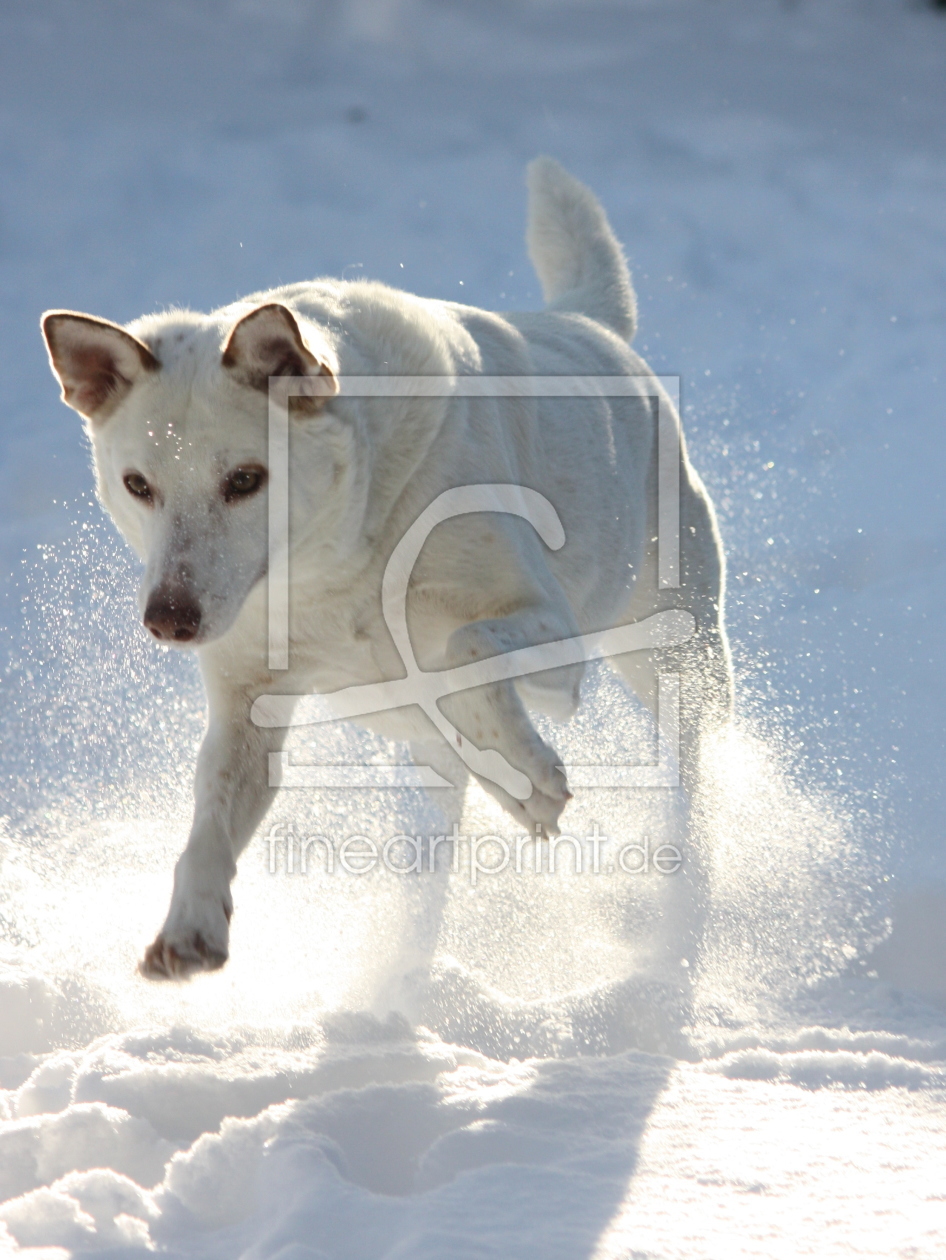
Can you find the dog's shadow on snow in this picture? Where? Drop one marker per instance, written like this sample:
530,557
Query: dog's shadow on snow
519,1156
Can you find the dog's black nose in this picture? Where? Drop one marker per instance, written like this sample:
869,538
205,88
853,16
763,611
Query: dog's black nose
172,615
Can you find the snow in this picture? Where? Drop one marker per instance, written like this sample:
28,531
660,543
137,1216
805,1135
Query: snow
747,1059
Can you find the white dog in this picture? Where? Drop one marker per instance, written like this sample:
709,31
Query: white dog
176,406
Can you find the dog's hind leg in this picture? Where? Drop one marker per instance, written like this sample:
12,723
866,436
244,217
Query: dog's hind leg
702,667
436,754
427,888
702,662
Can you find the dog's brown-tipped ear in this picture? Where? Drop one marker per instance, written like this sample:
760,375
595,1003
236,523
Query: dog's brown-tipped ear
267,342
95,361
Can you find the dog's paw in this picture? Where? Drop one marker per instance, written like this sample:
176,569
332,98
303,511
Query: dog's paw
164,961
548,778
541,810
550,792
193,939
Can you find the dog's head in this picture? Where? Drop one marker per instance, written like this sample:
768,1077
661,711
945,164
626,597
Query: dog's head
176,407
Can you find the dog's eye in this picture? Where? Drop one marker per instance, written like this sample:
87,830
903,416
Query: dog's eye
135,484
243,482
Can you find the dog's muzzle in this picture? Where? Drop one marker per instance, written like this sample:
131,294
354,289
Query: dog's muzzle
172,615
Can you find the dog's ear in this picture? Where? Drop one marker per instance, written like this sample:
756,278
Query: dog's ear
267,342
95,361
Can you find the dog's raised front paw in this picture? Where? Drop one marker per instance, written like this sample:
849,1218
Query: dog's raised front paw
550,792
549,796
543,811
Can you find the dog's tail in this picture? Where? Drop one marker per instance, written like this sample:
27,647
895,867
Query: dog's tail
575,253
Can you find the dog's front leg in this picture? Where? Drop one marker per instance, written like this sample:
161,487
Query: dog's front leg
494,716
232,794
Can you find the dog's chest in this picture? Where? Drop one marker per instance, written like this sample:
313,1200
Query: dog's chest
335,644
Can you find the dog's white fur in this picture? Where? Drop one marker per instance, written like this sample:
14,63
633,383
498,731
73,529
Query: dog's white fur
177,403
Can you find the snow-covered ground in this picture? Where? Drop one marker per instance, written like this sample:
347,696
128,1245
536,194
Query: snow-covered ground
574,1076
